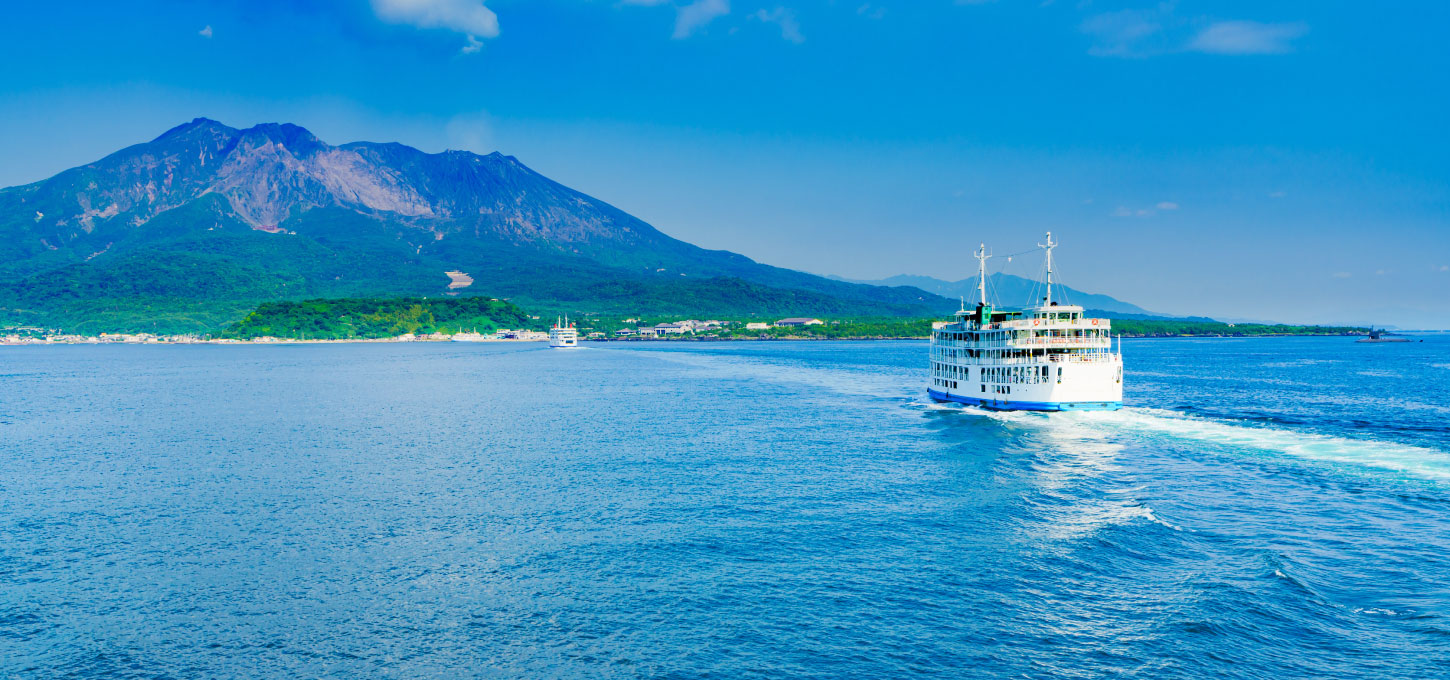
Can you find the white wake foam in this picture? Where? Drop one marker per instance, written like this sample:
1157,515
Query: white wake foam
1419,461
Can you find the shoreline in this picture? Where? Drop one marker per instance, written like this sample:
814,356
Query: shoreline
89,341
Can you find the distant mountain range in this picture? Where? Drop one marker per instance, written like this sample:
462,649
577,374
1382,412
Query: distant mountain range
189,230
1007,290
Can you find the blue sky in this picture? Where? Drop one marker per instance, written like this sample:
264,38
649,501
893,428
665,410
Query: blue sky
1281,161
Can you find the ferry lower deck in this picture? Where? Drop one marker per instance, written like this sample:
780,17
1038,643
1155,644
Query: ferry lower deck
997,404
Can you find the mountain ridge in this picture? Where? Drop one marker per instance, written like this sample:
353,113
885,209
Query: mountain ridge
1008,290
279,214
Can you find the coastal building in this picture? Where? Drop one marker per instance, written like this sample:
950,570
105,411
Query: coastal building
624,333
756,326
799,321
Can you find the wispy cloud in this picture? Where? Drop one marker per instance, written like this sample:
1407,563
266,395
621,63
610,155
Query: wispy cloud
1125,211
469,17
790,29
205,32
1139,33
871,11
697,15
1342,275
1124,33
470,132
1247,37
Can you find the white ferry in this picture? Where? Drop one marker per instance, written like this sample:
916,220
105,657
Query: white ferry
1045,358
563,334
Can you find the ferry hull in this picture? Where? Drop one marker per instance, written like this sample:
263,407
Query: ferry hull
1010,405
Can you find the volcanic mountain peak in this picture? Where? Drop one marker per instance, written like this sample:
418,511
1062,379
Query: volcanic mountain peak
209,212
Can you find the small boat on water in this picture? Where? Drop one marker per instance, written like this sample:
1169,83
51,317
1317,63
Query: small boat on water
1045,358
563,335
1382,335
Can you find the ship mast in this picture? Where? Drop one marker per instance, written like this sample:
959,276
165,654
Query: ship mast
982,256
1047,301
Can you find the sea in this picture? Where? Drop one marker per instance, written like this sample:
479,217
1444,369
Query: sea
1262,508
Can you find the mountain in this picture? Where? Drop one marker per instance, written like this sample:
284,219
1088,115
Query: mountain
1010,291
196,226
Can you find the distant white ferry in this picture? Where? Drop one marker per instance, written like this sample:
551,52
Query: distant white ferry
563,334
1045,358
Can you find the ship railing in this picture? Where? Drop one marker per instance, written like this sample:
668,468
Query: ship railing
1014,342
1090,358
1050,323
1082,358
1057,342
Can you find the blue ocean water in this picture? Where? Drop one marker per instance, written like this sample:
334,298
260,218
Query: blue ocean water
1265,508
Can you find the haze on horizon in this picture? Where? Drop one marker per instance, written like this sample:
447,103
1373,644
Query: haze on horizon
1225,159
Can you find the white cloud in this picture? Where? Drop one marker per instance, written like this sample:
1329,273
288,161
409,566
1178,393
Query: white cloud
1278,194
205,32
1443,267
790,29
1125,211
1342,275
696,15
1121,33
1247,37
871,11
469,17
1138,33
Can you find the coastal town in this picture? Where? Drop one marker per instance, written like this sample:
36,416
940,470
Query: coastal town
687,328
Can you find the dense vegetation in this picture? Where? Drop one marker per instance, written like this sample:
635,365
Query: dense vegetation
377,318
201,281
